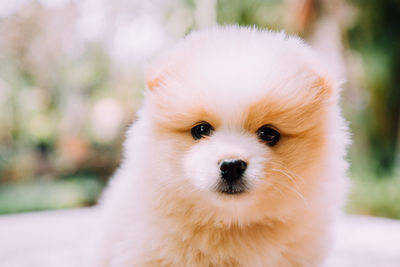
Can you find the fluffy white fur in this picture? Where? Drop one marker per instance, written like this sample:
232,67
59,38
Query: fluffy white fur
161,207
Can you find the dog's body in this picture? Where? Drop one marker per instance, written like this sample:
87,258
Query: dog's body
236,158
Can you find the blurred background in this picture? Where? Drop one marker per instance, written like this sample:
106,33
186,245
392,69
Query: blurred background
71,79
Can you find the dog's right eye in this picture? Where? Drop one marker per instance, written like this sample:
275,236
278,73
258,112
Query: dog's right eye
201,130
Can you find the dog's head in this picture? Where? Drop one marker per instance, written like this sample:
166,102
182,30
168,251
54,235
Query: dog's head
240,115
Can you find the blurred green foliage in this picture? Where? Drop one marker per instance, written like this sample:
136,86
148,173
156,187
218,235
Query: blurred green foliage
71,80
44,194
377,197
375,156
263,14
376,36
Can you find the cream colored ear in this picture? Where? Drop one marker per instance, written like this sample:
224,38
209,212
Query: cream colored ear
158,70
153,83
162,68
324,87
158,79
153,74
156,75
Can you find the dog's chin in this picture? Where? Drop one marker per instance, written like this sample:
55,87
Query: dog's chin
231,190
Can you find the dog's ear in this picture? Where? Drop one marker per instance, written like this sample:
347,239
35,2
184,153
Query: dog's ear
163,68
328,81
326,87
315,90
157,75
152,83
159,71
323,88
156,72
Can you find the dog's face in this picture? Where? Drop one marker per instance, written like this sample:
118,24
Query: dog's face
244,121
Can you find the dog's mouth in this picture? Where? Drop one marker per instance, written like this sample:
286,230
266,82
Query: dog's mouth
231,189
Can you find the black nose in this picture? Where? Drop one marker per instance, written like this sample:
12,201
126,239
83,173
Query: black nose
232,169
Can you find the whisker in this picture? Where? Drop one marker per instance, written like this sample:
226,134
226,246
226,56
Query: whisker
299,195
288,176
288,171
277,189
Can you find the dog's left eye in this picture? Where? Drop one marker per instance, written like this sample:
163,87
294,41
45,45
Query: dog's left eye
201,130
268,135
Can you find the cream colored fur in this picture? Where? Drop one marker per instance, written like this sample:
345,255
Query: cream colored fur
160,208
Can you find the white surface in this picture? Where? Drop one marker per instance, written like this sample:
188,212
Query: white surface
366,241
44,239
56,239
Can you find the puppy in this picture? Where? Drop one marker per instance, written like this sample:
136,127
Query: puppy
236,158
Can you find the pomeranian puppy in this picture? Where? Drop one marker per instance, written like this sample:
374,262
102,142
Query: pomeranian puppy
236,158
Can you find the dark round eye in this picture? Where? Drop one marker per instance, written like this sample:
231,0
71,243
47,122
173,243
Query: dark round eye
268,135
201,130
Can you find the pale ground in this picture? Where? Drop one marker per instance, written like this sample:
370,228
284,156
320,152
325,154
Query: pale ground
56,239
